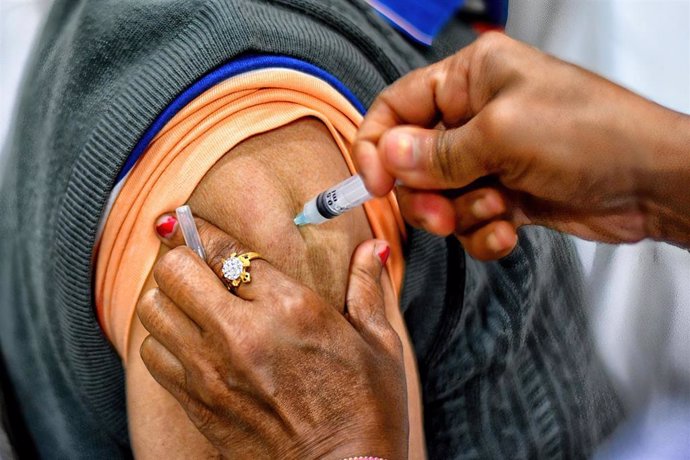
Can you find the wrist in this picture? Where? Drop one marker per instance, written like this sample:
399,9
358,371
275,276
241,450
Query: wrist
357,442
664,175
370,448
364,458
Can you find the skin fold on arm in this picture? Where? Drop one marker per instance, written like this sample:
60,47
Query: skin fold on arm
253,193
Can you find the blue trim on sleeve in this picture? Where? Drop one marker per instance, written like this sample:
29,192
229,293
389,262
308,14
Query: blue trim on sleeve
231,69
419,20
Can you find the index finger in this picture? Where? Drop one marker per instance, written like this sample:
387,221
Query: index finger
219,247
198,288
195,289
422,98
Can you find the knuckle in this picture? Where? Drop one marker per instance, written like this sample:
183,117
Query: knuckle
203,381
492,40
369,289
240,341
146,351
249,350
225,329
148,308
391,94
171,264
294,301
436,74
297,308
492,49
147,302
387,96
211,385
502,117
443,159
496,56
199,414
392,342
307,314
496,127
297,302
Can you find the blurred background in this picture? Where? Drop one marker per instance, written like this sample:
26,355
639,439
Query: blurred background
639,294
20,20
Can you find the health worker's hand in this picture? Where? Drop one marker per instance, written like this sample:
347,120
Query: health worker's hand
554,145
272,370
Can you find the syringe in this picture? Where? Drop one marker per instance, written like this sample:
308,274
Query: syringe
335,201
189,230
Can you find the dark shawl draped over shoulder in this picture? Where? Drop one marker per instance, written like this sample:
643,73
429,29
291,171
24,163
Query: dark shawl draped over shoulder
507,365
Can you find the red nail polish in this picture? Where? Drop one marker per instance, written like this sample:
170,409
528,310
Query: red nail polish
166,226
383,254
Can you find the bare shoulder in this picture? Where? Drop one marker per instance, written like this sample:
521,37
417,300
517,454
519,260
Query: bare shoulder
255,191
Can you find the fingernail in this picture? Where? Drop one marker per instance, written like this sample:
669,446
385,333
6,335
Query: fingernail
166,226
501,239
402,151
492,243
508,236
383,253
484,207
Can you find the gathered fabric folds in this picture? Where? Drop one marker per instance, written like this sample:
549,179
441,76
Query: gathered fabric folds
186,148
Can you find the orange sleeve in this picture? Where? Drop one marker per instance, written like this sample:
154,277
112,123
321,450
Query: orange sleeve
181,154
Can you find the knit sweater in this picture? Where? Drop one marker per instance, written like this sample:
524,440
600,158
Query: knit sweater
505,357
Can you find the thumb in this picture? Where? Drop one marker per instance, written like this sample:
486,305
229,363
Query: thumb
433,159
365,304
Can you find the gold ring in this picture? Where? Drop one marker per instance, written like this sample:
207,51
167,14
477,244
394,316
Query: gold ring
235,268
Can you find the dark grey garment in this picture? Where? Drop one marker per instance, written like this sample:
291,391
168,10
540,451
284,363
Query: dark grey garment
6,450
496,377
506,360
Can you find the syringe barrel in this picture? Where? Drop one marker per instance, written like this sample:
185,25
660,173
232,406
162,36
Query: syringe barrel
342,197
189,230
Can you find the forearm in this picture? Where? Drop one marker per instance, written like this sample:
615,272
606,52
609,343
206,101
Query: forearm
665,178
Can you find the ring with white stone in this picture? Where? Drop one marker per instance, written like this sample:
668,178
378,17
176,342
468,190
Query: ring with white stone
235,269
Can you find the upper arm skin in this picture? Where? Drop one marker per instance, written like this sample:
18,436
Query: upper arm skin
270,176
158,426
